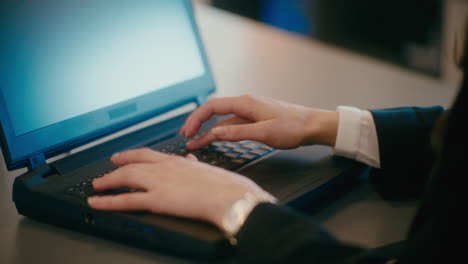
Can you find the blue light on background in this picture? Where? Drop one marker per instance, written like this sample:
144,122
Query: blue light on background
291,15
61,59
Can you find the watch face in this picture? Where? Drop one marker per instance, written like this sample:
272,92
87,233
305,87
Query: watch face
236,215
240,210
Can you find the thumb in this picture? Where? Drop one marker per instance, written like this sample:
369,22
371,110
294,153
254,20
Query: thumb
190,156
255,131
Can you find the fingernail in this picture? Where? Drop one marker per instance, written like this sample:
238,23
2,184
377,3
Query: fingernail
192,157
218,131
92,200
192,145
188,133
184,127
115,156
182,130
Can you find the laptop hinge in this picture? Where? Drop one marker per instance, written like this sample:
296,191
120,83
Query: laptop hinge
36,161
201,99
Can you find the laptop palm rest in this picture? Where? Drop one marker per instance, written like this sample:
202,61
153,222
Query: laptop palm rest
307,177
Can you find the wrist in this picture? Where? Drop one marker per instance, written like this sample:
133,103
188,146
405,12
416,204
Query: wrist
321,127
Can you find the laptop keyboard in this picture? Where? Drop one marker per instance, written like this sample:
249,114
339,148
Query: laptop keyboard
227,155
85,189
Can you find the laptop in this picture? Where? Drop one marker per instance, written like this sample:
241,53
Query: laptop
82,80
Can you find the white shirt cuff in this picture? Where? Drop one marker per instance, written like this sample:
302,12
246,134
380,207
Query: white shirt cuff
357,136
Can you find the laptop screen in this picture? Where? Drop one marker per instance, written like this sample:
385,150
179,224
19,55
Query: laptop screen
73,69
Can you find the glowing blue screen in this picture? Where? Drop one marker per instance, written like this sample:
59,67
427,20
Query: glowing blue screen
61,59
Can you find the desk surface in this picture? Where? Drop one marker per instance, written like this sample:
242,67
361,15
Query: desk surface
248,57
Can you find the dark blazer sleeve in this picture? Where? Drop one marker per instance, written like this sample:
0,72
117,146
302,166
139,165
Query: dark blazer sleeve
274,234
406,155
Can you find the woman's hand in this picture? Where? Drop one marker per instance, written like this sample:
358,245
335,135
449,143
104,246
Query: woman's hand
171,185
278,124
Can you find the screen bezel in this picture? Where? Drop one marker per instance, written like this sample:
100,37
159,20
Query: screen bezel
72,133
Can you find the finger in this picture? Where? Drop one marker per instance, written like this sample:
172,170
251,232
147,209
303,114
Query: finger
132,176
209,137
218,106
143,155
121,202
191,157
240,106
256,131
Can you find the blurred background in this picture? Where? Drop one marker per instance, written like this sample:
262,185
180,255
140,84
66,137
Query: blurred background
416,34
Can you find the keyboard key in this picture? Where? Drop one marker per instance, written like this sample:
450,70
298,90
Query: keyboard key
217,143
258,152
232,154
173,146
241,150
223,149
219,161
231,145
215,162
250,145
265,147
248,156
207,157
239,161
181,152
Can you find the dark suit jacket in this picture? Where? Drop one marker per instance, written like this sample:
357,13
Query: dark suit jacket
409,169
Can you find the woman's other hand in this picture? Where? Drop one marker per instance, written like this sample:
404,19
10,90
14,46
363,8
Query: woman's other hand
278,124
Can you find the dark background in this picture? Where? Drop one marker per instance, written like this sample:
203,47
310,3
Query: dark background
403,32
